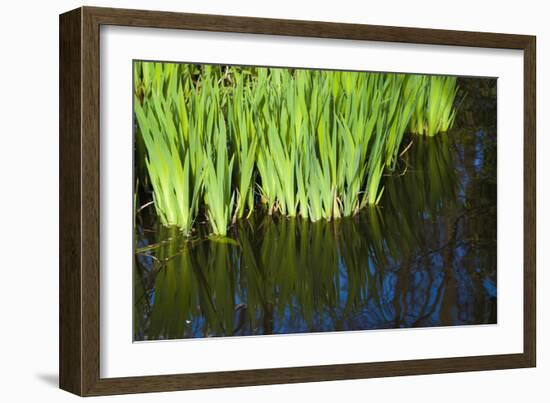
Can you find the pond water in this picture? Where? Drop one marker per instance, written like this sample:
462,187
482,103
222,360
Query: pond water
425,257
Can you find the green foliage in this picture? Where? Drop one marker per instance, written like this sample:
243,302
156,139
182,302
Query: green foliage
220,141
244,140
175,190
219,197
435,111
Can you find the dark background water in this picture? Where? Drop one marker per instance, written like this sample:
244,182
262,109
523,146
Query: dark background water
425,257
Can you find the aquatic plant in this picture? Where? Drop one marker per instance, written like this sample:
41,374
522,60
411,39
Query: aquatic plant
244,140
314,144
218,193
435,110
175,191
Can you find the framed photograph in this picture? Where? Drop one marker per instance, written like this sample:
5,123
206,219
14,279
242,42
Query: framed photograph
249,201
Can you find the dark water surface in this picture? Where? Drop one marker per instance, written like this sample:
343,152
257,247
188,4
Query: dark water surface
425,257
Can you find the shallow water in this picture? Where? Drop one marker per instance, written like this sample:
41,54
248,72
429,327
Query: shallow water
426,257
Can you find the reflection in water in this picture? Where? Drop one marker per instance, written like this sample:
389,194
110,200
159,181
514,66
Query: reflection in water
426,257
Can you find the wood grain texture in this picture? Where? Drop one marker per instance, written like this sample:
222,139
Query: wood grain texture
530,201
316,29
70,270
90,201
80,196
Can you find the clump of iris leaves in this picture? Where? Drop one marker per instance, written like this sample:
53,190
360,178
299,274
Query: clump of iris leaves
218,142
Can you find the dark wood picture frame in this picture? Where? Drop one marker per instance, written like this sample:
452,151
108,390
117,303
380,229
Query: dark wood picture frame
79,354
